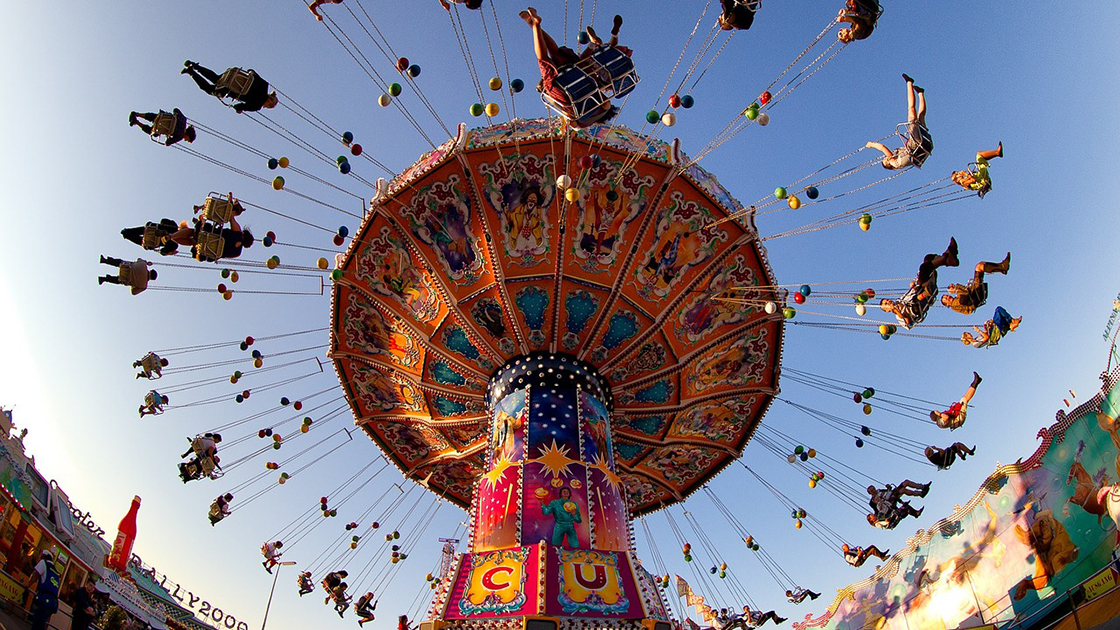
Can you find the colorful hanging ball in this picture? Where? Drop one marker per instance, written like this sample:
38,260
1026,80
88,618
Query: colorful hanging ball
394,89
233,277
491,109
267,241
652,117
258,362
272,164
239,398
674,101
799,449
713,570
228,295
862,297
812,192
353,545
516,85
687,101
820,475
284,401
322,263
583,39
791,458
596,161
780,192
865,430
668,119
585,162
306,420
812,452
805,290
723,575
343,231
864,226
751,113
334,512
303,428
374,525
336,275
297,405
856,397
244,346
414,71
764,98
384,100
402,64
246,395
804,457
276,437
688,558
572,194
282,480
866,409
476,110
396,535
812,482
563,182
763,119
687,548
337,240
272,263
222,287
495,84
344,168
356,150
770,308
883,329
859,443
283,162
861,310
789,312
276,446
340,159
870,292
798,297
869,393
278,183
347,138
237,374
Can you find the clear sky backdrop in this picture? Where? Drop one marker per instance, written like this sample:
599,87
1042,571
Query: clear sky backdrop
73,174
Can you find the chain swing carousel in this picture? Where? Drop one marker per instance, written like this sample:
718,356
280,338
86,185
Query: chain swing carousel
516,311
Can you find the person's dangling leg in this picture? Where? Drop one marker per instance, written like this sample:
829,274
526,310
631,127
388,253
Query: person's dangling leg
207,73
990,267
614,30
991,155
112,262
921,105
200,80
911,111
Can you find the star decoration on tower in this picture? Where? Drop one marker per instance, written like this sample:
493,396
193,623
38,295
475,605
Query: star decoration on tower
554,458
498,470
601,465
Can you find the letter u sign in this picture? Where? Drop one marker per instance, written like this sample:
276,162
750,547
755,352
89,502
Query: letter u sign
597,580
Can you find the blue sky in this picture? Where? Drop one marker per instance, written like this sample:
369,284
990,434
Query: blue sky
74,174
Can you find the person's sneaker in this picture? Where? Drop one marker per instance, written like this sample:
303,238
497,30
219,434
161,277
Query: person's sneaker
925,490
976,380
618,25
1005,264
907,78
918,512
779,620
593,36
133,119
933,415
1000,149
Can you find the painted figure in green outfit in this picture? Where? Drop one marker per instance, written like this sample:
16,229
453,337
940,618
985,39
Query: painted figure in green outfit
565,514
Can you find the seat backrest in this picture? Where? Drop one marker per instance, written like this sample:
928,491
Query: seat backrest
217,210
236,81
210,246
164,124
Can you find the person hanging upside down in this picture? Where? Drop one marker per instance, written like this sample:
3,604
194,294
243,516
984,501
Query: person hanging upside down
154,236
173,125
314,7
981,180
856,556
331,581
153,404
552,57
755,618
912,307
953,417
271,552
219,509
944,457
131,274
233,240
862,15
305,583
250,98
798,594
966,298
340,598
364,608
151,366
738,14
919,144
470,4
993,330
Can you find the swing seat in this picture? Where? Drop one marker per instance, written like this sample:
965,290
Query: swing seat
149,363
217,210
152,238
916,303
235,82
920,147
607,73
154,402
163,125
612,70
209,247
750,5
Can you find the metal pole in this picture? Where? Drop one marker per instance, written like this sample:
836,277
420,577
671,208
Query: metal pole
972,587
275,576
1073,608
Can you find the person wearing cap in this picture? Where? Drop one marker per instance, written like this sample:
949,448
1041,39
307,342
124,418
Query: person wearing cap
45,603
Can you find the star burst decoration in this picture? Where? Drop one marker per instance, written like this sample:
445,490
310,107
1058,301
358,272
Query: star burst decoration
554,459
